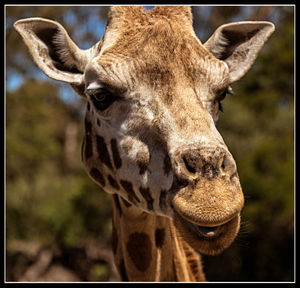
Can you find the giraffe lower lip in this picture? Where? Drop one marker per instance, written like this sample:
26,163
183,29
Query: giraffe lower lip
204,231
208,232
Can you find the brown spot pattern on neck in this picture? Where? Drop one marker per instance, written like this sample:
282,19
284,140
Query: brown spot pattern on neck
139,249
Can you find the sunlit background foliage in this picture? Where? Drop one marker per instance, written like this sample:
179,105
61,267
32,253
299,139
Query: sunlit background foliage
58,222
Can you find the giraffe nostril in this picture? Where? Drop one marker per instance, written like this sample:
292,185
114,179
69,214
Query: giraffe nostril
225,164
189,166
204,162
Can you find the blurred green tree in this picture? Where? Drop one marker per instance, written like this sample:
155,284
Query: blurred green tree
46,185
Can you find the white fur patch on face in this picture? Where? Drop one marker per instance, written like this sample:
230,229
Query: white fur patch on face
153,178
94,85
130,147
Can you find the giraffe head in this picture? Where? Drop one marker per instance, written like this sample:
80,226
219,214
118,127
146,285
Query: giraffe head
153,94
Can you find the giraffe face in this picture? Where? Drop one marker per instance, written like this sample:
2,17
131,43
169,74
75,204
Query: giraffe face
153,94
151,134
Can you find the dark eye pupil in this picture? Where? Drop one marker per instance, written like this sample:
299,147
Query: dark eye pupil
100,96
220,107
222,96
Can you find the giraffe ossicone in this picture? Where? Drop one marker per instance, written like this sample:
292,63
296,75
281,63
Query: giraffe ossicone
153,94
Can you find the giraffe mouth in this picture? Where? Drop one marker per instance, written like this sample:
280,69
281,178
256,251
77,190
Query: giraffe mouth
207,213
210,240
206,231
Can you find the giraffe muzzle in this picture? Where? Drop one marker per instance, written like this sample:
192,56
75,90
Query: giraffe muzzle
207,213
209,202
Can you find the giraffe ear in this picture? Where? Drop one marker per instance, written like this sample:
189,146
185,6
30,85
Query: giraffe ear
53,50
238,44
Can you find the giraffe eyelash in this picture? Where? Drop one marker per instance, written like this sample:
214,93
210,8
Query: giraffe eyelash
222,96
102,98
230,91
220,107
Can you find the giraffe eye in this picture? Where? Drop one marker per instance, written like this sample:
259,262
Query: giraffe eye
219,99
220,107
98,94
101,98
222,96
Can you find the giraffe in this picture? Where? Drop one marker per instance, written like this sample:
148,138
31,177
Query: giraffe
153,94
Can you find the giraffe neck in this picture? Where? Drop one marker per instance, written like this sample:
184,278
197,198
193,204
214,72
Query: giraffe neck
147,247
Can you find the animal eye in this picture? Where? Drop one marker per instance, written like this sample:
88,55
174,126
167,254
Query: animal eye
101,98
99,95
219,99
222,96
220,107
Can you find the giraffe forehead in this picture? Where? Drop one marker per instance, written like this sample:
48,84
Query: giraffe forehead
191,63
160,56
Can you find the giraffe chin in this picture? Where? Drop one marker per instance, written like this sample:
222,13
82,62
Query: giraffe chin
205,239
